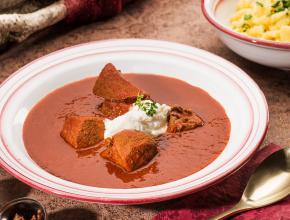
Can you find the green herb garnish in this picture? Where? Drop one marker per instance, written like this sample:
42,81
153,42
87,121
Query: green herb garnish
139,99
276,4
245,27
279,10
260,4
248,17
281,5
286,3
148,106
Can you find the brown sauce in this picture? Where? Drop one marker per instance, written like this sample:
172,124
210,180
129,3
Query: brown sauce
180,154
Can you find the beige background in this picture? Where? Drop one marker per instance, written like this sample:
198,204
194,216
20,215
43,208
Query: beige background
180,21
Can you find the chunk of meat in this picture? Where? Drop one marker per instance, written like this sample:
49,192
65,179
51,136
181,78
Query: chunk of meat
130,149
18,217
180,119
111,85
83,131
112,110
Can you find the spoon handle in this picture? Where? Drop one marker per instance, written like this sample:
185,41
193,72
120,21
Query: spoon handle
240,207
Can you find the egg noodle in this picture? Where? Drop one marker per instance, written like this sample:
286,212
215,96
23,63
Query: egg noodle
266,19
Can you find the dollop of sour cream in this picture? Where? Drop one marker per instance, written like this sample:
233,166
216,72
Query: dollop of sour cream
137,119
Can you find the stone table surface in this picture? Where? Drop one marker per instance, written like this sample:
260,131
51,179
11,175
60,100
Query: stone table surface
179,21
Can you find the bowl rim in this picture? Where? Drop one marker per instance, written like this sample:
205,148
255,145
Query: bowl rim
237,35
154,198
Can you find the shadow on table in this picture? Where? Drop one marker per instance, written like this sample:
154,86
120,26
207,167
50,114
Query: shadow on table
12,189
73,214
159,206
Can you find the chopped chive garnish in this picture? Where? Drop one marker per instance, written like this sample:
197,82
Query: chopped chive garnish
260,4
245,27
280,5
279,10
276,4
148,106
286,3
248,17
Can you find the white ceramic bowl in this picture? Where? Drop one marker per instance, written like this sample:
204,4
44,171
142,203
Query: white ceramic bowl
265,52
243,101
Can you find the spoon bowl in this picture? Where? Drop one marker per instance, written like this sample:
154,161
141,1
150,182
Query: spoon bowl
269,184
24,207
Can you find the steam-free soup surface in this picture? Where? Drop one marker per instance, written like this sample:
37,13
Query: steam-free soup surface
180,154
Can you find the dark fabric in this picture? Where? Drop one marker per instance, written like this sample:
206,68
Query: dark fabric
79,11
224,195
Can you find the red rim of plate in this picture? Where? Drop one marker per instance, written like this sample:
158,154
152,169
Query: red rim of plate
239,36
58,192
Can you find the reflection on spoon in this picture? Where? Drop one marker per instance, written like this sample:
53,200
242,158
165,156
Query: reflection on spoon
269,184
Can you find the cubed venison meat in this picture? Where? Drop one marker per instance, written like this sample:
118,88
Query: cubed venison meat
111,85
83,131
180,119
113,109
18,217
130,149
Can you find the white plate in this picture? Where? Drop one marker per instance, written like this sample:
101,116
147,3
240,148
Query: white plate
243,101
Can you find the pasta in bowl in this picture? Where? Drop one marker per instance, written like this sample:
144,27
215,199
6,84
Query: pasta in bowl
257,30
266,19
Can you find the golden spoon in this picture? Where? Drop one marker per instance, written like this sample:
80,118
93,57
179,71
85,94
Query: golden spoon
269,183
